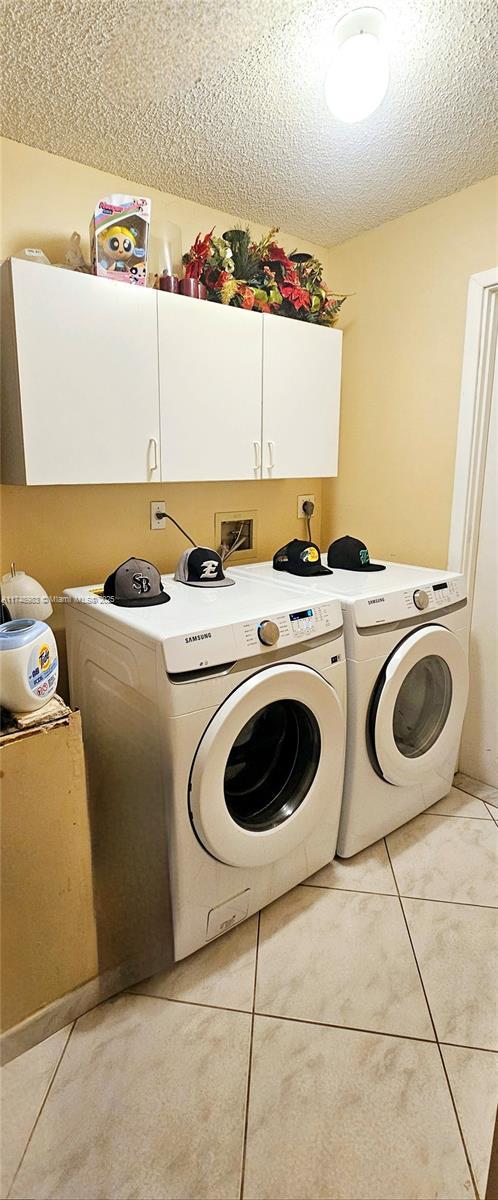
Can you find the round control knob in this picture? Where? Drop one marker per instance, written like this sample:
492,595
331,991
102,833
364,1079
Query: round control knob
420,598
268,633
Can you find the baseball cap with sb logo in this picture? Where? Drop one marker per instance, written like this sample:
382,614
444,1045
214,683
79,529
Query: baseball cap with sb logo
300,558
135,584
202,567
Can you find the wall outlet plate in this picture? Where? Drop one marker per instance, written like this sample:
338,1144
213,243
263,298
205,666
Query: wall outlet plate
233,520
157,506
300,502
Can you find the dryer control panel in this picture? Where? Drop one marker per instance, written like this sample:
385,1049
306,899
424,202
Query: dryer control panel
395,606
213,646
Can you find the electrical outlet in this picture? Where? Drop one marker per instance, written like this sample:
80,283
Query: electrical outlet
157,506
300,501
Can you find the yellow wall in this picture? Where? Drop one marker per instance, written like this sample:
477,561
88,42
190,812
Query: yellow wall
67,536
404,329
403,343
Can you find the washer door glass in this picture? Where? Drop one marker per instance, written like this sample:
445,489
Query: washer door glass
417,708
272,764
422,707
267,773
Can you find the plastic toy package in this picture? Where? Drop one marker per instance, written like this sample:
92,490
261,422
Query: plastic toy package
119,238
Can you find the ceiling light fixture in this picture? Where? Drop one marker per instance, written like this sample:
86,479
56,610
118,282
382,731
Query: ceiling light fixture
358,75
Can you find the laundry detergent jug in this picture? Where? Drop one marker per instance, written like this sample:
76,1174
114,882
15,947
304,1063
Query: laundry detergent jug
28,665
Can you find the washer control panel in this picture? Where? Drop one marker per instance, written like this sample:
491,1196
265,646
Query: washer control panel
396,606
285,628
218,644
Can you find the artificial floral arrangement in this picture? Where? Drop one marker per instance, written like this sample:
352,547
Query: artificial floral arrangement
260,275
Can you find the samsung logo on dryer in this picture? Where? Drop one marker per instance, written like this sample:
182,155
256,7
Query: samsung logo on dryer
377,600
198,637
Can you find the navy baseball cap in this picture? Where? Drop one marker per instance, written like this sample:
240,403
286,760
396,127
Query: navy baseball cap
349,554
202,567
135,584
300,558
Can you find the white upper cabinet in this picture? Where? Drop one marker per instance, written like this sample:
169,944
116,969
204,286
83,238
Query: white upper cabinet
210,363
80,387
104,382
301,398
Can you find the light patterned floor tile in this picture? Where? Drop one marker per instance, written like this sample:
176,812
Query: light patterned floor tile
473,1076
438,859
493,812
474,787
459,804
149,1101
339,1114
221,973
23,1086
343,958
456,950
368,871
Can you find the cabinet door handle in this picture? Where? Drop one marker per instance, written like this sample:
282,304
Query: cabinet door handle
257,455
152,454
271,455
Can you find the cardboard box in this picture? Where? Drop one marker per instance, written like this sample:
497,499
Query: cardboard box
119,238
48,935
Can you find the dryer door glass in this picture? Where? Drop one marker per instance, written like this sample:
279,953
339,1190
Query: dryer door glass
422,707
271,765
416,712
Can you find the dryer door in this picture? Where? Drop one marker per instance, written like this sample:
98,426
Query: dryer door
418,705
269,766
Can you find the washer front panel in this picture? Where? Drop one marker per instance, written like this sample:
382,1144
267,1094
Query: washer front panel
441,682
225,838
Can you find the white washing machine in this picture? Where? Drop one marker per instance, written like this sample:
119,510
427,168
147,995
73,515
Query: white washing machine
406,633
225,711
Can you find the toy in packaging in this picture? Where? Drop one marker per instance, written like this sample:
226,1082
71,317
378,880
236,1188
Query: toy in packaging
119,238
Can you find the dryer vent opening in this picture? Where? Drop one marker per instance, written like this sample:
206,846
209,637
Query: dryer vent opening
272,765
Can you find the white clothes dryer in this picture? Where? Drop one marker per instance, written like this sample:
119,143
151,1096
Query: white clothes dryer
225,710
406,633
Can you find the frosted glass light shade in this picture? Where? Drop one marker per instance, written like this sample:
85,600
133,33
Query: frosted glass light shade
358,76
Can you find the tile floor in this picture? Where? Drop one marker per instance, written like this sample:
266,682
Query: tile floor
341,1045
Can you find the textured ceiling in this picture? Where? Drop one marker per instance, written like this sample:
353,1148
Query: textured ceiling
222,101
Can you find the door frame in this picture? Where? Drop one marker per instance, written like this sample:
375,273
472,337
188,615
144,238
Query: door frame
481,330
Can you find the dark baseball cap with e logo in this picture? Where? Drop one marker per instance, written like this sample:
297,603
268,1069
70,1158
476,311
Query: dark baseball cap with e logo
349,554
135,584
202,567
300,558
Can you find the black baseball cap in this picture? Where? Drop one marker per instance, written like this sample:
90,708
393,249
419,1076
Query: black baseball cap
300,558
202,567
349,554
135,584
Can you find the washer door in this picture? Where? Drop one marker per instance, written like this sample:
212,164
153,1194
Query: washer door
418,705
268,766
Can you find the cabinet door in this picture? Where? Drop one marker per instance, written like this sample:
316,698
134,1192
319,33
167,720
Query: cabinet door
87,365
210,362
301,398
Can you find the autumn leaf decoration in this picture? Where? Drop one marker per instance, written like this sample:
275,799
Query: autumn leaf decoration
262,276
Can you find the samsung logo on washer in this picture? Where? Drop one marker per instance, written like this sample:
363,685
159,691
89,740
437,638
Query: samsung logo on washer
198,637
378,600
